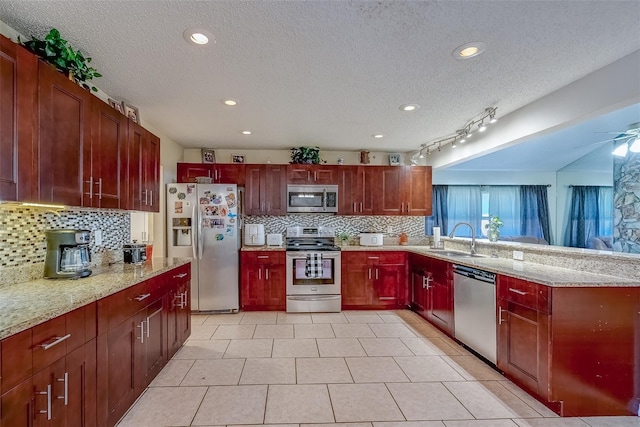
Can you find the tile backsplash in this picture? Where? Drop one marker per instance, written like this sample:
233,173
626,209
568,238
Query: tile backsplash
22,232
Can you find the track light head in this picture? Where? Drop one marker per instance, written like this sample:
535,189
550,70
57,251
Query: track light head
481,126
621,150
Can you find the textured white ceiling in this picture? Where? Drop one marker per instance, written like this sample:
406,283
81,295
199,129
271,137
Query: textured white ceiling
332,73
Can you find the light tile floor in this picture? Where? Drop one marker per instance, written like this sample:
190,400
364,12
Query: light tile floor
350,369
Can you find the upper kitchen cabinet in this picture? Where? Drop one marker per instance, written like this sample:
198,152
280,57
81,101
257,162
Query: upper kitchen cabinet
404,190
65,131
104,172
223,173
265,189
144,169
312,174
356,186
18,119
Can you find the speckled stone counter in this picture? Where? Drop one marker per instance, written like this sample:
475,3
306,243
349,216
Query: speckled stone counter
262,248
27,304
539,273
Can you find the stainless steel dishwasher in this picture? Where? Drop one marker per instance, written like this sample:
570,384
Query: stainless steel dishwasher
474,310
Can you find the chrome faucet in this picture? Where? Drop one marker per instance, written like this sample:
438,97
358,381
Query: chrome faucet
473,235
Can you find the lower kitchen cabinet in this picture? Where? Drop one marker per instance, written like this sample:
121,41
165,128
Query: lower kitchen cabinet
373,279
432,291
263,280
178,305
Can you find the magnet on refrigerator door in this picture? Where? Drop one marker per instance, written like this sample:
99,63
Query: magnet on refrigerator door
219,237
231,200
230,230
177,207
191,188
173,190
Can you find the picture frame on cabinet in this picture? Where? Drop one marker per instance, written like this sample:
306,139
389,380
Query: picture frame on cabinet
117,105
237,158
208,156
394,159
132,113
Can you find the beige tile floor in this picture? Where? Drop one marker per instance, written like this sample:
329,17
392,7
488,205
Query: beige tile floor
350,369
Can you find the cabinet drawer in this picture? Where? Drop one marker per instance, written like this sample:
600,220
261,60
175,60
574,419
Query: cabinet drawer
354,258
527,294
176,276
126,303
16,359
50,342
385,257
263,257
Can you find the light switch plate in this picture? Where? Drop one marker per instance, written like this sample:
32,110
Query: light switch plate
518,255
97,236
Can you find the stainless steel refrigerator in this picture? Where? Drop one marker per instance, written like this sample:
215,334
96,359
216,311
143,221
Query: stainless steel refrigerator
202,223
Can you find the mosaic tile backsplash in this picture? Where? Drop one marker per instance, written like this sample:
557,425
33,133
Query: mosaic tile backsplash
626,203
22,232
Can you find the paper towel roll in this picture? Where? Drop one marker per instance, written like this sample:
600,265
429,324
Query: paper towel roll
436,234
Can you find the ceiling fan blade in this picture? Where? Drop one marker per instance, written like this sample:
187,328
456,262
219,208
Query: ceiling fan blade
602,142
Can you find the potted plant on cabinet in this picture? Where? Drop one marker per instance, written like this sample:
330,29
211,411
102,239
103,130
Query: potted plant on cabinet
306,155
59,53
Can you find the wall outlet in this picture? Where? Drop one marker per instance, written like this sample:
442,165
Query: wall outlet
389,229
97,236
518,255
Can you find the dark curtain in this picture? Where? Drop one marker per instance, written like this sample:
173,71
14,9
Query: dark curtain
583,216
439,212
534,215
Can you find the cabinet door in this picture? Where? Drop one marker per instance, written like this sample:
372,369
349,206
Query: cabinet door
275,184
386,287
298,174
17,406
253,191
390,184
418,190
172,305
48,395
229,173
440,296
188,172
348,203
137,139
105,159
18,118
252,286
184,313
65,130
356,280
155,345
367,190
81,386
418,290
274,286
311,174
151,173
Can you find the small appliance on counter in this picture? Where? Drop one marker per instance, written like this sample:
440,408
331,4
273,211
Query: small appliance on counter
274,239
68,255
254,235
135,253
371,239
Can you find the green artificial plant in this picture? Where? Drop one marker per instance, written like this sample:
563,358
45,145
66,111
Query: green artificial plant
58,52
306,155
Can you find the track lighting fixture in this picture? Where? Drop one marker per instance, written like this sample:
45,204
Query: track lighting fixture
621,150
634,145
462,135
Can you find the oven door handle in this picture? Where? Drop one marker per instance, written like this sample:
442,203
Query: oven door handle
294,256
313,297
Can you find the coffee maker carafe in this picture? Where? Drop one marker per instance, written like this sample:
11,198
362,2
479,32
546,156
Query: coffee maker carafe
68,255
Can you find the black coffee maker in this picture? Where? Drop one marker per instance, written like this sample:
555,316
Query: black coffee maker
68,255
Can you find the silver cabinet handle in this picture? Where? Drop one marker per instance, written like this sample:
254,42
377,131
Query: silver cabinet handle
183,297
266,274
516,291
151,198
377,273
141,337
260,273
308,176
426,282
360,206
90,182
402,207
57,341
65,379
48,393
369,274
500,319
180,276
263,256
373,257
142,297
315,175
355,209
99,184
386,298
408,207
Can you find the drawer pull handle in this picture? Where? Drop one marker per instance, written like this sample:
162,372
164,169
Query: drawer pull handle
48,393
66,388
57,341
263,256
180,276
500,319
516,291
386,298
141,337
142,297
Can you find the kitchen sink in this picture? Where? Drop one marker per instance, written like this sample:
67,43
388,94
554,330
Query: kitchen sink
457,254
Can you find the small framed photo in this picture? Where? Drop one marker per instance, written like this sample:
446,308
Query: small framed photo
118,105
208,156
394,159
237,158
132,112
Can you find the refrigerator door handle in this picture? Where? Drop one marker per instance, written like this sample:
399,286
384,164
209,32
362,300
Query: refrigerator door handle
200,234
194,235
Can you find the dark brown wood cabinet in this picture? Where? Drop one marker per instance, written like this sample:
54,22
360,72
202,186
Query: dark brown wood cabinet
417,190
105,158
356,190
178,307
265,189
262,281
224,173
143,169
18,121
404,190
432,291
373,279
312,174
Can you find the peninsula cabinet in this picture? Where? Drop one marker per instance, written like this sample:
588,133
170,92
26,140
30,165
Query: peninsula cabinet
373,279
262,281
223,173
575,348
18,91
265,189
432,290
312,174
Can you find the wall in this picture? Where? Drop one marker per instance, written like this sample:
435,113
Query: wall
626,203
23,243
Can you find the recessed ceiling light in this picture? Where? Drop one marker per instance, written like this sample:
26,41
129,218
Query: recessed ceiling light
230,102
246,132
198,36
378,135
409,107
469,50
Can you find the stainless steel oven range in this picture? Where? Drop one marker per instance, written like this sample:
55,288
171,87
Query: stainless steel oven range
313,270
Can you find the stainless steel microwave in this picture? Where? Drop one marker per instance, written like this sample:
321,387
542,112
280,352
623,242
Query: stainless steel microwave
312,198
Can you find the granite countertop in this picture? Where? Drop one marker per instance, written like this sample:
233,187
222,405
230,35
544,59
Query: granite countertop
27,304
